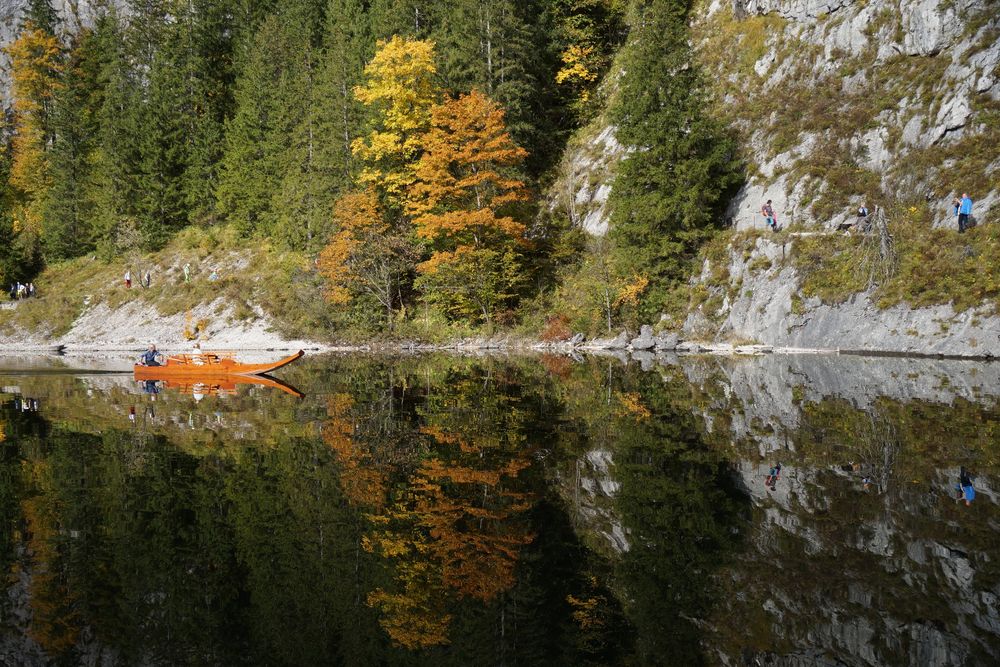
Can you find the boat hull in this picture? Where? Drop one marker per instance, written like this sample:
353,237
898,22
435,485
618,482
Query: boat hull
207,365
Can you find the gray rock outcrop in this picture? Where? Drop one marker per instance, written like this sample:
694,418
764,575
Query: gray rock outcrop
645,340
768,309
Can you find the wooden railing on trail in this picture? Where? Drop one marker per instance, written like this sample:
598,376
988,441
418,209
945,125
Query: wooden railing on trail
879,258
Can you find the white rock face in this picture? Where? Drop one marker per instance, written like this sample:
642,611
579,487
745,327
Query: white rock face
763,312
583,190
857,41
934,113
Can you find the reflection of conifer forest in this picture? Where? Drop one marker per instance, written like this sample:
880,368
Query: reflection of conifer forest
431,511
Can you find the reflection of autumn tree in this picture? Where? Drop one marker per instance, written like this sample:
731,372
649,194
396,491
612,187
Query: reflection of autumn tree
473,517
369,430
462,523
54,623
362,482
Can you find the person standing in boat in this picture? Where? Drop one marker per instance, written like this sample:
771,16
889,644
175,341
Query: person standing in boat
150,357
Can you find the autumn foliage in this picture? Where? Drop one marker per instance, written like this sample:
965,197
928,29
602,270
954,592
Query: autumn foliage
460,527
35,68
460,204
366,255
400,89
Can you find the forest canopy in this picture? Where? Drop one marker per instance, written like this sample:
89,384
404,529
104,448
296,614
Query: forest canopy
405,145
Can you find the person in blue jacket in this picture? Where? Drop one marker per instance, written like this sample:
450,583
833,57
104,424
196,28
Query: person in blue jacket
963,208
964,488
151,357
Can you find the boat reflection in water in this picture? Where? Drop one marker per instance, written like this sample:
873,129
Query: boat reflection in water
225,385
211,373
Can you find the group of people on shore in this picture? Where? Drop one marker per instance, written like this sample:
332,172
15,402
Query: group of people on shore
961,208
19,290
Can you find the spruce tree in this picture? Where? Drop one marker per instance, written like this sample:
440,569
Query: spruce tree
42,15
69,211
269,136
670,192
117,162
318,158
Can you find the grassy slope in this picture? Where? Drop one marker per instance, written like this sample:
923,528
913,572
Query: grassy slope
251,275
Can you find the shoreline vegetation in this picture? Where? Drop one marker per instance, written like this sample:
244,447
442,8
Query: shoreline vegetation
352,178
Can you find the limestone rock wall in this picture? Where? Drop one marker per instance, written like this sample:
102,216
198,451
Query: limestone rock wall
839,102
760,302
844,102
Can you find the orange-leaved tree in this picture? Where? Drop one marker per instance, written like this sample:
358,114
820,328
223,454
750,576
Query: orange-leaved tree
399,86
35,68
461,203
366,256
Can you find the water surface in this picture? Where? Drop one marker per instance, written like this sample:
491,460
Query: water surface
492,511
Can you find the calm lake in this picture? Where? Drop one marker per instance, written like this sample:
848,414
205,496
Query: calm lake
445,510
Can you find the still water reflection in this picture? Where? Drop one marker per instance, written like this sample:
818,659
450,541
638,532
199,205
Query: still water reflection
454,511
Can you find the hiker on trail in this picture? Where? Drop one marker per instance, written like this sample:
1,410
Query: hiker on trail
214,276
148,278
963,209
187,272
128,278
768,212
31,289
862,211
772,477
150,357
964,488
22,290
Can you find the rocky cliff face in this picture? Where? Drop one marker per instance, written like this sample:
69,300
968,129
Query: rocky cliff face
892,103
849,101
840,102
759,300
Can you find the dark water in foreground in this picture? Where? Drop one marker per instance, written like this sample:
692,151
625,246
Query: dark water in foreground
451,511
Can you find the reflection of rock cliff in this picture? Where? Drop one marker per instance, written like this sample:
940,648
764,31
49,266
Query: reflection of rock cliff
858,554
837,575
762,398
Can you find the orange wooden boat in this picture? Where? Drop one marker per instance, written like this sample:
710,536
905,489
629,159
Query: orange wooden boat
207,365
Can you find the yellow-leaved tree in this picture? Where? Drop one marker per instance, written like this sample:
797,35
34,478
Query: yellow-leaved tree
462,203
399,86
35,67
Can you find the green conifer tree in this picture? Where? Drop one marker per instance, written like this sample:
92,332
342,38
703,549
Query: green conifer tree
670,192
116,164
273,133
319,161
42,15
70,207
